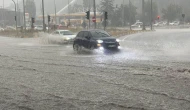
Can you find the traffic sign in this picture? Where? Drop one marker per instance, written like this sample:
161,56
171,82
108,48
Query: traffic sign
158,17
93,19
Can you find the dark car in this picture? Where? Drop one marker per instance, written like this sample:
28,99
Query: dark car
95,39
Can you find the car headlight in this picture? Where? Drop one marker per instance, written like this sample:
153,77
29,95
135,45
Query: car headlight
100,41
117,40
68,38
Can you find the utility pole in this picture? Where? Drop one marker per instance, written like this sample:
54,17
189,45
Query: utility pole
44,28
94,2
105,19
15,15
3,13
123,16
130,14
69,12
18,14
151,17
24,17
89,6
143,15
55,9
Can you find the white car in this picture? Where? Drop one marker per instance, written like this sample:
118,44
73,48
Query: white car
1,29
175,23
65,35
159,24
137,24
10,28
38,28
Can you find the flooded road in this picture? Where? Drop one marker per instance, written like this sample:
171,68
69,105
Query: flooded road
151,72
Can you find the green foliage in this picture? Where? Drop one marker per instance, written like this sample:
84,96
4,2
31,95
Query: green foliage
31,8
85,3
148,11
124,15
75,8
108,6
172,12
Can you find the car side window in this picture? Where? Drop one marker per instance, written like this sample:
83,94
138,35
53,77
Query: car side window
89,34
86,34
80,34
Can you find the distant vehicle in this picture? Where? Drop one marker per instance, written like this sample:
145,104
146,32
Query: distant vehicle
28,27
65,35
175,23
137,24
156,24
164,23
95,39
1,29
10,28
159,24
62,27
38,28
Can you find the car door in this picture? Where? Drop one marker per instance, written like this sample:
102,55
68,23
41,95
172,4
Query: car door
79,38
86,39
91,43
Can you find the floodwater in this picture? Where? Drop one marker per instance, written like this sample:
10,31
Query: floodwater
151,72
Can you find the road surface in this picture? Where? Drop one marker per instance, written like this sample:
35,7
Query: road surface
151,72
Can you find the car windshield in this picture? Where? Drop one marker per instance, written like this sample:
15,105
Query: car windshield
99,34
66,33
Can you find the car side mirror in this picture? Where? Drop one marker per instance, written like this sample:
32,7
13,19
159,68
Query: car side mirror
87,37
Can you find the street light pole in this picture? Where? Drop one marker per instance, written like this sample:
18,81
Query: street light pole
44,28
123,16
130,14
18,16
94,13
15,15
69,12
151,17
24,17
55,12
89,6
143,15
3,4
3,13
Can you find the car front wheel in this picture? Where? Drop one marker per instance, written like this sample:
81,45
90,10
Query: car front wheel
77,48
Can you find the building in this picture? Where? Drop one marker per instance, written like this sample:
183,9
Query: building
7,17
75,18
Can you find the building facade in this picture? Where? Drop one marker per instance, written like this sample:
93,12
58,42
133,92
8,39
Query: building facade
7,18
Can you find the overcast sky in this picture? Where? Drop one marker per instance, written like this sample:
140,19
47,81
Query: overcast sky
6,2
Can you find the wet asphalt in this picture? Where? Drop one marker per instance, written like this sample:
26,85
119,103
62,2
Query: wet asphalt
150,72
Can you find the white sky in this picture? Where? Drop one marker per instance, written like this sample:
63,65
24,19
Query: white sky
6,2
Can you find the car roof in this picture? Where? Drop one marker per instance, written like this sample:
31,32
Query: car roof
62,30
90,30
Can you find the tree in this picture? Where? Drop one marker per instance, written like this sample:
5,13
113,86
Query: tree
108,6
86,3
123,15
116,20
148,11
76,8
172,12
130,13
31,8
